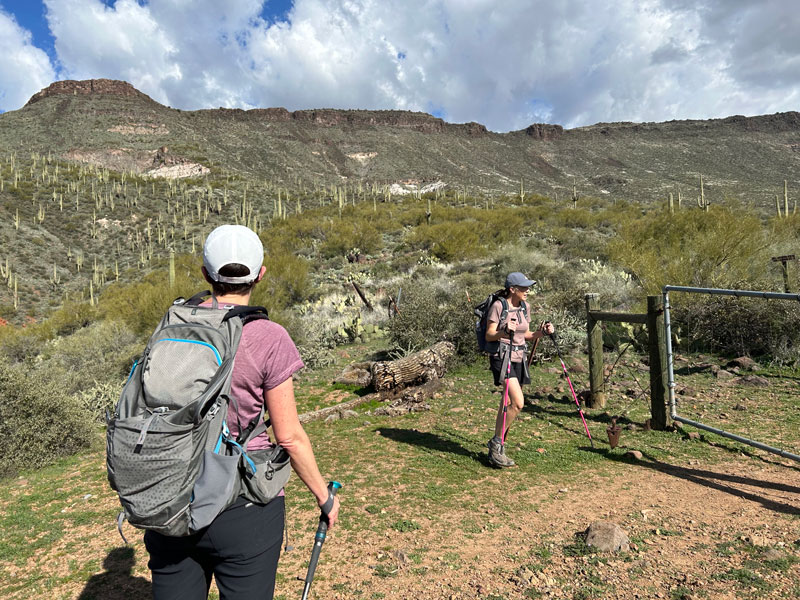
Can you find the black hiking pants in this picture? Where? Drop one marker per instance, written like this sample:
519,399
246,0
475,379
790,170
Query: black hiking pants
240,549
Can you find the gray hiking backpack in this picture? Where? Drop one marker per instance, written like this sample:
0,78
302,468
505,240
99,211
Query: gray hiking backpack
169,453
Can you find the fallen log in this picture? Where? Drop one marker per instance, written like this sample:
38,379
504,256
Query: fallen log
413,369
316,415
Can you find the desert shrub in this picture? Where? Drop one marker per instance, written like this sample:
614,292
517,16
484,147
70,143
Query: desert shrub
141,305
92,357
286,281
71,317
528,257
432,311
448,241
738,326
692,247
583,243
98,398
38,423
344,235
18,345
616,288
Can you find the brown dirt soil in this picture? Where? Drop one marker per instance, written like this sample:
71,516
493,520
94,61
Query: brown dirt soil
680,514
676,516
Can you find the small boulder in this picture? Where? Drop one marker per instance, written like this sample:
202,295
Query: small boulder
754,380
577,368
607,537
745,363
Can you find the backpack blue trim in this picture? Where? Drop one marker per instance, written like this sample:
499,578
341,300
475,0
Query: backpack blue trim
216,353
133,368
224,436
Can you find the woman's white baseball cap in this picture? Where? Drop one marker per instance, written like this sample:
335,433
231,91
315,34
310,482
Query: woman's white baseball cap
229,244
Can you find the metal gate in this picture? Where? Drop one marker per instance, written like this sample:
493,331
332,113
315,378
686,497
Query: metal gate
670,365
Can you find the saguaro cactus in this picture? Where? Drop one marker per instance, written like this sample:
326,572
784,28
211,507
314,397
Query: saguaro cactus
701,200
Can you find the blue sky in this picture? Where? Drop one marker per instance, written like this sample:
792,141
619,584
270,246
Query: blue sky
505,64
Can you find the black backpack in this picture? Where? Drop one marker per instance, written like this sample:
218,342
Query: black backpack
482,312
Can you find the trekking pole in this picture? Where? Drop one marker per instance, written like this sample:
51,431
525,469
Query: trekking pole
505,400
535,345
319,539
578,404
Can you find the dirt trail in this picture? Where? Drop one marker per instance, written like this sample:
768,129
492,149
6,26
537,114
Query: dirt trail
728,530
681,520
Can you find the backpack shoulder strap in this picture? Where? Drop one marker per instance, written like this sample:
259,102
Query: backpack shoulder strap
504,311
247,313
197,299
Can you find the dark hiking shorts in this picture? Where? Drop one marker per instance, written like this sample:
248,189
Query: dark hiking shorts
496,364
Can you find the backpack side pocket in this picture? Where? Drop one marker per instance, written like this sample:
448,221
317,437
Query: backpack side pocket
272,473
152,461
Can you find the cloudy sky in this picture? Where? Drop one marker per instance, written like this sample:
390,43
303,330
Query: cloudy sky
503,63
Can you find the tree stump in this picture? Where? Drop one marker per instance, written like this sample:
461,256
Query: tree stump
413,369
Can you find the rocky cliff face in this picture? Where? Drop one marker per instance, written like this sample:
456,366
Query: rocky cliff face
544,131
325,117
87,87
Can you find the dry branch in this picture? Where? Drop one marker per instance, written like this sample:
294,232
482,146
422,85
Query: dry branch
316,415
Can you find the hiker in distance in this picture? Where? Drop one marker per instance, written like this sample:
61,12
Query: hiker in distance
241,547
508,323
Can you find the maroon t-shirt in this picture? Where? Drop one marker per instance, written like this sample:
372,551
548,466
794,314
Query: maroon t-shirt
265,358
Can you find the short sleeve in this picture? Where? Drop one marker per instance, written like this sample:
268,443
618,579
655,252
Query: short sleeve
495,310
272,351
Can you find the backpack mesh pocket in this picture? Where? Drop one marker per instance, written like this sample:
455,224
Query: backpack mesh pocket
152,480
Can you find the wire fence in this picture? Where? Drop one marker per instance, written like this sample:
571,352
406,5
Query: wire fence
735,398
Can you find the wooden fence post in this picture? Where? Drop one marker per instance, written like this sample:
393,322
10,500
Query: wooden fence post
595,335
659,398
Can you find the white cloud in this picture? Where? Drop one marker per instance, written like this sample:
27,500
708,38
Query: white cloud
25,69
123,42
504,64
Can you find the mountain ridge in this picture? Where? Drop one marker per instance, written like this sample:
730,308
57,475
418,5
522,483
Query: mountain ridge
739,157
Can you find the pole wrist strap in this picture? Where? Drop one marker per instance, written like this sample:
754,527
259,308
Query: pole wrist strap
328,506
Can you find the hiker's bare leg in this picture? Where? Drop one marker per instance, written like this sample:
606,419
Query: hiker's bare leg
516,400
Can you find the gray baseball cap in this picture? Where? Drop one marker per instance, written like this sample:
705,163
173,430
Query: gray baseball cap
517,279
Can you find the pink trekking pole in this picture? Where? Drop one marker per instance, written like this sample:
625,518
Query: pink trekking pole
574,396
505,402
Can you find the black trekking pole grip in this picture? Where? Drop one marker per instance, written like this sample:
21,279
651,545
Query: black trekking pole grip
319,539
552,336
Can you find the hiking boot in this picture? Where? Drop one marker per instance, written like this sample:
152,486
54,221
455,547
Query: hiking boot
497,455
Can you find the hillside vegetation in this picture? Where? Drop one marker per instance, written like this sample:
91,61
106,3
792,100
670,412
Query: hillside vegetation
94,247
91,255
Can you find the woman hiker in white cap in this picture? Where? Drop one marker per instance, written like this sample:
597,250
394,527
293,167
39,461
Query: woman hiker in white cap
508,364
242,545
